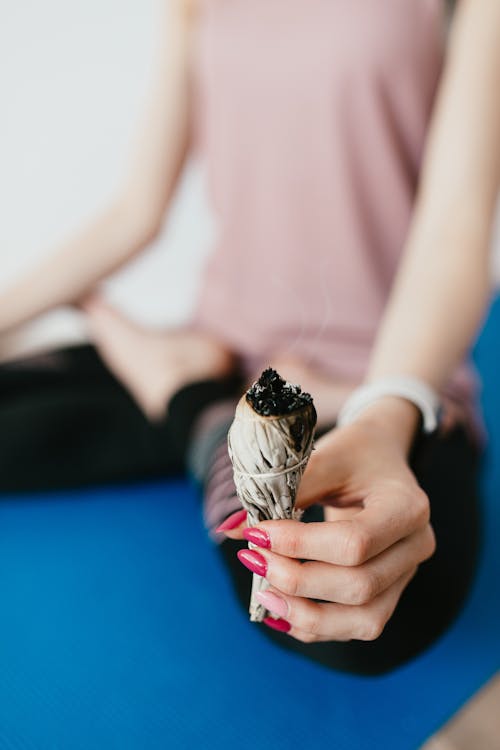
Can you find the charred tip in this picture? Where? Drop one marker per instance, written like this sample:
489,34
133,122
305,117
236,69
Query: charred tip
272,396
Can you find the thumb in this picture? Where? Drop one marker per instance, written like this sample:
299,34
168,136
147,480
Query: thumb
323,477
327,475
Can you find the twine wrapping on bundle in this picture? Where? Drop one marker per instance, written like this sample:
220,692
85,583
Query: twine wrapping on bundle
269,443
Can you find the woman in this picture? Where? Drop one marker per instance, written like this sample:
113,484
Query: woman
294,166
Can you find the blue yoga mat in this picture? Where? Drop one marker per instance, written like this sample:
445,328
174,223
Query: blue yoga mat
118,629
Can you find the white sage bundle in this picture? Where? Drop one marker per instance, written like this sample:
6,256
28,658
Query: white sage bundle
270,441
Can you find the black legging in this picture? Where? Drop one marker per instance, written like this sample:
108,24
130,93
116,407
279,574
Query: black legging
65,421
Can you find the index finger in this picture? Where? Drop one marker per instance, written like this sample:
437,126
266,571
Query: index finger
383,522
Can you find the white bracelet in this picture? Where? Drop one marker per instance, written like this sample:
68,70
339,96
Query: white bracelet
412,389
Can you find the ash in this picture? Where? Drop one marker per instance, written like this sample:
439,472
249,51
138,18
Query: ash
272,396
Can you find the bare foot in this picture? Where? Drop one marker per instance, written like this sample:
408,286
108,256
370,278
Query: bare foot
153,365
328,394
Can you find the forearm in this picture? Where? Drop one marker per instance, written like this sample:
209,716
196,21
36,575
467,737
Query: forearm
435,309
134,217
442,286
437,305
76,266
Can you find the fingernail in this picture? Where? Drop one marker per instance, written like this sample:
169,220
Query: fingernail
282,625
273,603
232,521
258,537
253,561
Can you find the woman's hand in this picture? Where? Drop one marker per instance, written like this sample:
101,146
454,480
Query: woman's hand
360,559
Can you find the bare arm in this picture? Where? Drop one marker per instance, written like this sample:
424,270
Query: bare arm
438,300
439,297
442,286
134,215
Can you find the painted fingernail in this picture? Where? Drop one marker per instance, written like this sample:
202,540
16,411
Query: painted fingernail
258,537
273,603
232,521
253,561
282,625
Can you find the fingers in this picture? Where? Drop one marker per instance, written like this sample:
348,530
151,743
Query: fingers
318,621
354,586
391,513
233,525
388,516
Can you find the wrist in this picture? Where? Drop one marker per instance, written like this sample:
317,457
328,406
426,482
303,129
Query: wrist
396,403
392,419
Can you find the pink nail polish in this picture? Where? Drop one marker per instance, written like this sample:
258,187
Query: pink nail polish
258,537
273,603
232,521
253,561
282,625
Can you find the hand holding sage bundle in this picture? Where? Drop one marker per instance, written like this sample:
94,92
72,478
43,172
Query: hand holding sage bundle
270,442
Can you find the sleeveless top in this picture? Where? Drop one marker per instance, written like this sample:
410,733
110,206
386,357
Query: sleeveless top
311,117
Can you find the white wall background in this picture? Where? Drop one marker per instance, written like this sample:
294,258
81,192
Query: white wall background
72,80
73,76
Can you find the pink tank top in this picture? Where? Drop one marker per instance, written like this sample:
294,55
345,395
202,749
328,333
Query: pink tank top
311,118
